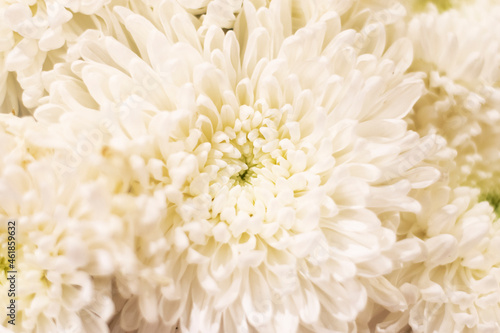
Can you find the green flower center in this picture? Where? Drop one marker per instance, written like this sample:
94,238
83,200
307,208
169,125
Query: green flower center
493,197
441,5
245,175
4,266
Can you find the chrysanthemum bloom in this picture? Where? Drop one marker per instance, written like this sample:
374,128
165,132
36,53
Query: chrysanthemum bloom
63,259
459,50
456,289
36,35
261,161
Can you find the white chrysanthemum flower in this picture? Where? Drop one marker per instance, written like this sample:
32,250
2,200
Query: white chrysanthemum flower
457,288
62,258
33,34
460,53
259,163
36,35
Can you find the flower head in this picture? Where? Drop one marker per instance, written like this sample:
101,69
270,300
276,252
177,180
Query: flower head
62,264
457,287
257,162
38,35
462,102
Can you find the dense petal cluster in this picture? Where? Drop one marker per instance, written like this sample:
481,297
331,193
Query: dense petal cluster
463,99
261,169
37,35
251,166
63,282
456,288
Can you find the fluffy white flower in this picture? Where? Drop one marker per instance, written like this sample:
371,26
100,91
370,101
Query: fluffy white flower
62,256
36,35
456,289
258,161
247,165
460,53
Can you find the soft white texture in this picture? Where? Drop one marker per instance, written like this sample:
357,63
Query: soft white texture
63,259
35,36
456,288
259,161
247,166
460,53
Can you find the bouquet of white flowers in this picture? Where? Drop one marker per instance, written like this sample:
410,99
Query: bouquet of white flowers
234,166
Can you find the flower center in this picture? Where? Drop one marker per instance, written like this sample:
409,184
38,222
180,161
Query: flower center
4,266
441,5
493,197
244,176
247,146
